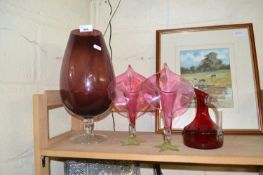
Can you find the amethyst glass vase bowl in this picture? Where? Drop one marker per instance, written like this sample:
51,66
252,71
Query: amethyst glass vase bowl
85,76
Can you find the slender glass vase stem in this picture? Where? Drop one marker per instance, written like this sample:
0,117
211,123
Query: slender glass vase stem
132,130
132,136
89,127
87,135
167,134
167,144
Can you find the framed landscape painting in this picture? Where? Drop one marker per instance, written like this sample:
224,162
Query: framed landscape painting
220,60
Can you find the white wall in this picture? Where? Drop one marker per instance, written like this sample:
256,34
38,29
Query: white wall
33,36
136,21
133,42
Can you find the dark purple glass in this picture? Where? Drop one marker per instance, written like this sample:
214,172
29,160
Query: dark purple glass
86,74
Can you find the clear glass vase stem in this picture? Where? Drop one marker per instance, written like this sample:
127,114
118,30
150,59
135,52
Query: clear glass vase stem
87,135
167,134
132,130
167,144
89,127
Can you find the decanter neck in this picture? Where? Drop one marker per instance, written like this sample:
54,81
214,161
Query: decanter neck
201,102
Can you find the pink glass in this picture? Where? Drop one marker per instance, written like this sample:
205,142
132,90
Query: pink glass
128,100
171,94
202,132
85,76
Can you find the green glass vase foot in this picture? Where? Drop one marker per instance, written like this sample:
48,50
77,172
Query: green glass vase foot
167,145
131,141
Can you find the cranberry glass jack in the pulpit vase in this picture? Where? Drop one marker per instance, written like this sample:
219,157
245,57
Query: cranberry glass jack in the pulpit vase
171,94
128,100
203,132
85,76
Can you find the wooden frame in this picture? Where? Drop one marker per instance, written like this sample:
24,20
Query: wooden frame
238,40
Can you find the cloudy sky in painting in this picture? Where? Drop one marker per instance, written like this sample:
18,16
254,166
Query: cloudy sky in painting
190,58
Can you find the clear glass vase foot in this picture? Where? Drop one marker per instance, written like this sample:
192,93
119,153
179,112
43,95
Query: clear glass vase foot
88,139
87,136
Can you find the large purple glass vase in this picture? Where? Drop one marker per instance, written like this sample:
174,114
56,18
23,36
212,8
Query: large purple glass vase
85,76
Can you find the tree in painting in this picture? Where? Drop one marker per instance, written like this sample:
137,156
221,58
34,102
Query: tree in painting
208,64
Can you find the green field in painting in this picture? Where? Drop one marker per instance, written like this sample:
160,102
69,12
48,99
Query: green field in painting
222,78
216,83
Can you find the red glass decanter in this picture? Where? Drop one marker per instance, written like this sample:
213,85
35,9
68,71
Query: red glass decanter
203,132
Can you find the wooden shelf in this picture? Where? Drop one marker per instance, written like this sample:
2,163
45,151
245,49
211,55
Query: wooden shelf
237,149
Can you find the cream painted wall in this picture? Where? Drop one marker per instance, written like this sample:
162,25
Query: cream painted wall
136,21
133,42
33,36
